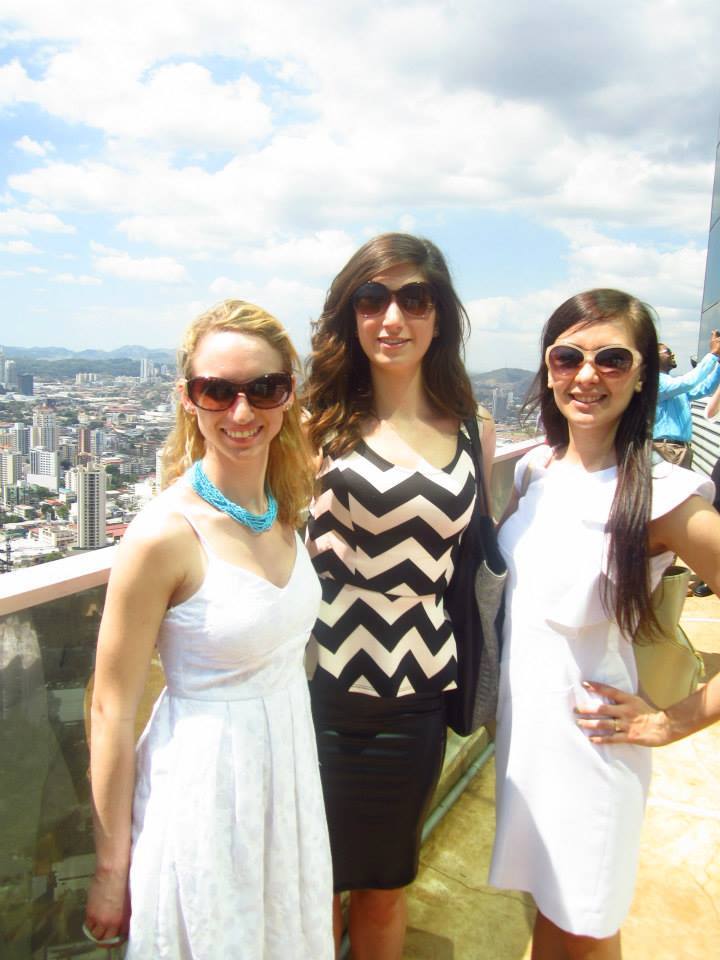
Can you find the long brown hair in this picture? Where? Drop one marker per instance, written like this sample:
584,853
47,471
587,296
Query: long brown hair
290,474
627,524
338,388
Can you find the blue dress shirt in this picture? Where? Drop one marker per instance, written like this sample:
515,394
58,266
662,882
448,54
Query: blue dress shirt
673,420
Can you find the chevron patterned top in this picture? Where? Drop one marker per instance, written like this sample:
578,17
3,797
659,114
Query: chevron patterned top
382,539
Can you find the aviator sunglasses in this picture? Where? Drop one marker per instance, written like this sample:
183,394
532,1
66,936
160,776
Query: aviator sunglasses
564,360
215,393
373,298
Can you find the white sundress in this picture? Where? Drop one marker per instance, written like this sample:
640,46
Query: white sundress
569,812
230,851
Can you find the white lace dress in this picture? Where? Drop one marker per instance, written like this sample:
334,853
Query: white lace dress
230,853
569,812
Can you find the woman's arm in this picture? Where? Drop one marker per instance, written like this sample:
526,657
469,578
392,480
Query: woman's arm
488,439
638,722
145,575
691,530
713,405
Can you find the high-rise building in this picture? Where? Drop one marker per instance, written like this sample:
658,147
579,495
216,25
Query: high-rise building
44,468
710,317
83,437
97,442
26,384
68,451
147,369
90,482
11,465
10,375
21,438
45,425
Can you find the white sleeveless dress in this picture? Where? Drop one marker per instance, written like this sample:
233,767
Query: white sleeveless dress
569,812
230,853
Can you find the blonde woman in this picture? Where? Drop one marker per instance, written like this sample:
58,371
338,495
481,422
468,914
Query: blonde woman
211,838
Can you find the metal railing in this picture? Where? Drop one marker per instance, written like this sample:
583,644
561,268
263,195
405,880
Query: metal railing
706,438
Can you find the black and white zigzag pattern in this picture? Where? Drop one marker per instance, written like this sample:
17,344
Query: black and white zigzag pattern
382,539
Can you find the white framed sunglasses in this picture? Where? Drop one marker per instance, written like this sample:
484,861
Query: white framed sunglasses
614,360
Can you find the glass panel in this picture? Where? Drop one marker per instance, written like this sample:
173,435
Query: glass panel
47,655
711,293
715,209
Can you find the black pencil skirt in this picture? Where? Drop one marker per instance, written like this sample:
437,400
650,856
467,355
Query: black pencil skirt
380,761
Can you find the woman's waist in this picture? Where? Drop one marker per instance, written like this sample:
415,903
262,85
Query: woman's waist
221,684
350,588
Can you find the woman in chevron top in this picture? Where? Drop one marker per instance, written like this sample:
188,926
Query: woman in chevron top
386,394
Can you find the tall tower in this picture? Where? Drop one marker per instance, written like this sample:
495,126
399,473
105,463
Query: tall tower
45,425
91,506
21,438
710,316
11,464
11,375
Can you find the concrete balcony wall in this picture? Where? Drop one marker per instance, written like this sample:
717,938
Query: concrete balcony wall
49,617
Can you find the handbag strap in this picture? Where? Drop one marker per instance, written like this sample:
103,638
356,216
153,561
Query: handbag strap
471,426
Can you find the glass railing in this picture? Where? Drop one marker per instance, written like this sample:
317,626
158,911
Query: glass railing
49,617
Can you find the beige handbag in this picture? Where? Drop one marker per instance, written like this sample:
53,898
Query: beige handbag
669,667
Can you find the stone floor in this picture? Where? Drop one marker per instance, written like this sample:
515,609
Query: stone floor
453,915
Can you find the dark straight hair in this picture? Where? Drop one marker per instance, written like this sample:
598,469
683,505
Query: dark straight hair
630,600
338,387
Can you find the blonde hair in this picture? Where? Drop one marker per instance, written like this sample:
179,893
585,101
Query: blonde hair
290,473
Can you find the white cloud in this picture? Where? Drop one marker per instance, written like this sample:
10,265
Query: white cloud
294,303
83,280
318,254
28,145
18,246
21,222
274,137
9,274
506,330
155,269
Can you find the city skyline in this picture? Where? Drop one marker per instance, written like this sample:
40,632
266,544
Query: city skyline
156,163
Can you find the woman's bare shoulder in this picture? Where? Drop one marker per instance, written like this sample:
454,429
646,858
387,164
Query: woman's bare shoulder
161,528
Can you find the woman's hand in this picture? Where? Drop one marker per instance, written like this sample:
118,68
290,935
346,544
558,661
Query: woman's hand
107,915
625,719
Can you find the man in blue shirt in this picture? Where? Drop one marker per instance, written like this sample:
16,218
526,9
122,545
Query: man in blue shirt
673,421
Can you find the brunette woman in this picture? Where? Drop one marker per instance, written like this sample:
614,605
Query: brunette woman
595,523
386,394
211,841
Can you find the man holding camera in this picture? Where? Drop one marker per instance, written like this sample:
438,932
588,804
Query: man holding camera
672,433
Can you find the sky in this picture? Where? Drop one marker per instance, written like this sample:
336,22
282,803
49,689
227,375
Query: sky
157,157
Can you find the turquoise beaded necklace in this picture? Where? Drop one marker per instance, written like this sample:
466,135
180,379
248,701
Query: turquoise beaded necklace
205,488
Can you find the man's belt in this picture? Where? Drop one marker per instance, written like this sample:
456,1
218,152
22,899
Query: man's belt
678,443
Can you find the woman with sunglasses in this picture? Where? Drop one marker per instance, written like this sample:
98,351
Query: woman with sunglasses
211,839
386,394
591,526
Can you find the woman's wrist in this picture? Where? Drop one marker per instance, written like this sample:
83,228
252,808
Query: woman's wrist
106,869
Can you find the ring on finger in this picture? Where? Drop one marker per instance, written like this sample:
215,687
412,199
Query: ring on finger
107,942
616,726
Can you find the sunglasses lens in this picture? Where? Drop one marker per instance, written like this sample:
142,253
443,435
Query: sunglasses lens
371,299
209,393
564,360
269,391
214,393
415,299
614,360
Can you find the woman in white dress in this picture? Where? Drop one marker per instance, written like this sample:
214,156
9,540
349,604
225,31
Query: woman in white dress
211,839
590,527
